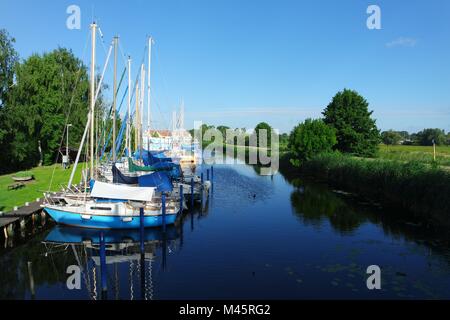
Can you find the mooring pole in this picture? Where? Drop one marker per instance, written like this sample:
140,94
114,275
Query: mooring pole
142,261
141,227
192,193
212,179
202,179
163,204
181,199
103,265
207,174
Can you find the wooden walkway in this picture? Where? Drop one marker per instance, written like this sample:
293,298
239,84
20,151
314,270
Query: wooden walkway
22,212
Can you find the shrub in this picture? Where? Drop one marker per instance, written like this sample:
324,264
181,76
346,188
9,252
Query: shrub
310,138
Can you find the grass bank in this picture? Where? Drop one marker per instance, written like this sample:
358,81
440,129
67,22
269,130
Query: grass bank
35,188
413,186
416,153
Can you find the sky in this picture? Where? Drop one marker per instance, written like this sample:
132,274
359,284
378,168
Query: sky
239,62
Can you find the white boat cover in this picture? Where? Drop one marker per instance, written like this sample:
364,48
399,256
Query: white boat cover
119,191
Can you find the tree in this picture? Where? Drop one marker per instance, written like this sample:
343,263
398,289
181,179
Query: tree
223,131
390,137
51,89
426,137
8,61
259,129
356,131
310,138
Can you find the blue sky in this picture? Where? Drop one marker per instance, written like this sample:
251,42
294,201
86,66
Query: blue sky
240,62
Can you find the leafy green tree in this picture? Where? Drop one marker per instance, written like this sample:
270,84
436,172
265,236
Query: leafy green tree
258,131
390,137
310,138
8,61
356,131
426,137
51,89
223,131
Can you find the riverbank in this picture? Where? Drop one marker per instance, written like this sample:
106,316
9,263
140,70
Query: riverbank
415,187
36,187
416,153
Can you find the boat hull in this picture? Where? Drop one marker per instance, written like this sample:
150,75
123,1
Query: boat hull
107,222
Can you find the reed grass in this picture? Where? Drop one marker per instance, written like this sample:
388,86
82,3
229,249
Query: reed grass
414,186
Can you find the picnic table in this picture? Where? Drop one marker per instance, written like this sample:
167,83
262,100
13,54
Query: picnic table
16,186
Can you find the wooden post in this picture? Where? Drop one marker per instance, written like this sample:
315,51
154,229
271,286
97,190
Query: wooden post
103,267
192,192
10,230
141,225
181,199
30,276
434,151
163,207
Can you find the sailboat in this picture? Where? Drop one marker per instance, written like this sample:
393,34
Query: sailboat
106,205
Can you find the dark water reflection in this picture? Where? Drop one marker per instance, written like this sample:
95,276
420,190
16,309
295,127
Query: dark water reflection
258,236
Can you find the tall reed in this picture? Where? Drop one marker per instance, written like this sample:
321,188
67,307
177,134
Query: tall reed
417,187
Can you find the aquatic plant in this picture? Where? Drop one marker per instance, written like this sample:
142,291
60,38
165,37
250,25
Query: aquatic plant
415,186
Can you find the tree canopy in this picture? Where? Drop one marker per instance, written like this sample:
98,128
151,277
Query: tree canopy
48,90
259,129
391,137
8,61
427,136
310,138
356,131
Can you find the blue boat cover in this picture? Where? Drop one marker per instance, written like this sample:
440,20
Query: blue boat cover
119,177
160,180
173,169
151,157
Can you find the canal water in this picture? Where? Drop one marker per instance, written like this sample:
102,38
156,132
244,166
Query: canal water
257,237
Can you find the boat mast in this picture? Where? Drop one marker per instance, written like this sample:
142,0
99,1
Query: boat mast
136,128
141,120
116,41
93,31
128,133
150,41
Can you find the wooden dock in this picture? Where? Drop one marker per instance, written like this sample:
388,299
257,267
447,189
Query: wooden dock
8,220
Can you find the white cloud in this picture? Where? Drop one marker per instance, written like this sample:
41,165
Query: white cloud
402,42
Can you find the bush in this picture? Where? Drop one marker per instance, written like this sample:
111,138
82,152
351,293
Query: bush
310,138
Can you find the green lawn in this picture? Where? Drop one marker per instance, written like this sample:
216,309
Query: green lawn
34,189
418,153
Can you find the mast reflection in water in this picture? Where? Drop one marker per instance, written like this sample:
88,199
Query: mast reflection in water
105,257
